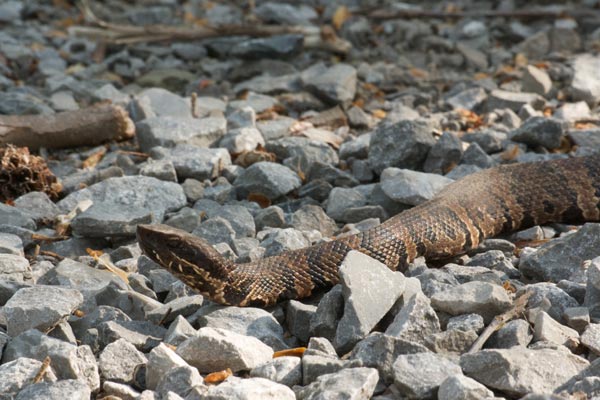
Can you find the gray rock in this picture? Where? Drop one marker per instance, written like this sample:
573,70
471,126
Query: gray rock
462,387
170,131
271,216
186,219
370,289
298,317
246,321
513,333
215,230
552,262
586,85
179,380
15,217
239,217
311,217
249,389
68,361
320,346
536,80
136,191
268,179
278,46
241,140
461,171
278,240
184,306
592,293
216,349
357,148
451,341
160,169
40,307
275,128
549,297
547,329
269,84
161,360
14,268
577,318
495,260
104,219
404,144
411,187
143,335
10,244
38,205
325,319
191,161
64,389
258,102
591,338
415,321
179,330
341,199
242,118
518,371
193,189
444,154
573,111
466,322
540,131
163,103
17,374
468,99
301,153
316,365
499,99
336,84
379,351
119,362
352,383
420,375
284,370
485,299
474,155
285,14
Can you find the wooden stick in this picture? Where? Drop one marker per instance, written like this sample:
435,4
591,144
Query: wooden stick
517,309
86,127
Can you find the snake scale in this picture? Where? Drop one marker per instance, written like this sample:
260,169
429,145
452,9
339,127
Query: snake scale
458,218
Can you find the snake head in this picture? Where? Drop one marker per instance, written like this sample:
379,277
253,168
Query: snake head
188,257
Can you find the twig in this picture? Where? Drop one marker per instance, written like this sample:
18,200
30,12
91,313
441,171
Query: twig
127,34
43,371
517,309
520,14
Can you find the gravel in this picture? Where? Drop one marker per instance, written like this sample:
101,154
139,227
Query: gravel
266,144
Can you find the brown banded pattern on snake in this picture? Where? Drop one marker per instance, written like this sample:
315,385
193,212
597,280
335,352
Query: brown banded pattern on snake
481,205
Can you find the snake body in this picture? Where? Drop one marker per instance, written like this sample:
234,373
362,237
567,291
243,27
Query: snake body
458,218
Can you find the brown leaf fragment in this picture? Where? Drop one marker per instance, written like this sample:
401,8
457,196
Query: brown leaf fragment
295,352
217,377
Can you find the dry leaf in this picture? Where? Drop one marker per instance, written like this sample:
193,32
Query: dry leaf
94,159
260,199
340,16
378,113
217,377
295,352
521,60
418,73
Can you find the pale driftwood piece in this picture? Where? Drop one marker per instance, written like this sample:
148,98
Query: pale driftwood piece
86,127
314,37
517,309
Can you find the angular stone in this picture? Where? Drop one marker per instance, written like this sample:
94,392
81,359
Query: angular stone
336,84
464,388
170,131
591,338
143,335
485,299
102,220
14,268
268,179
562,258
284,370
325,319
40,307
216,349
379,350
38,205
316,365
351,383
68,361
518,371
161,360
513,333
536,80
141,192
311,217
278,240
415,321
15,217
500,99
404,144
586,84
540,131
547,329
249,389
420,375
64,389
340,199
444,155
119,361
179,380
241,140
191,161
15,375
411,187
246,321
370,289
298,317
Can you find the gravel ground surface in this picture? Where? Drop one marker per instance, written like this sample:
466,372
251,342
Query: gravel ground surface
260,145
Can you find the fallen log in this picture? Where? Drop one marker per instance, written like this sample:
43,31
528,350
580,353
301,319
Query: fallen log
86,127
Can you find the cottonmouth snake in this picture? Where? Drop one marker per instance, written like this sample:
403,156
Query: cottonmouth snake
481,205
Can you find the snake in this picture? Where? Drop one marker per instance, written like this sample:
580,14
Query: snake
458,218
